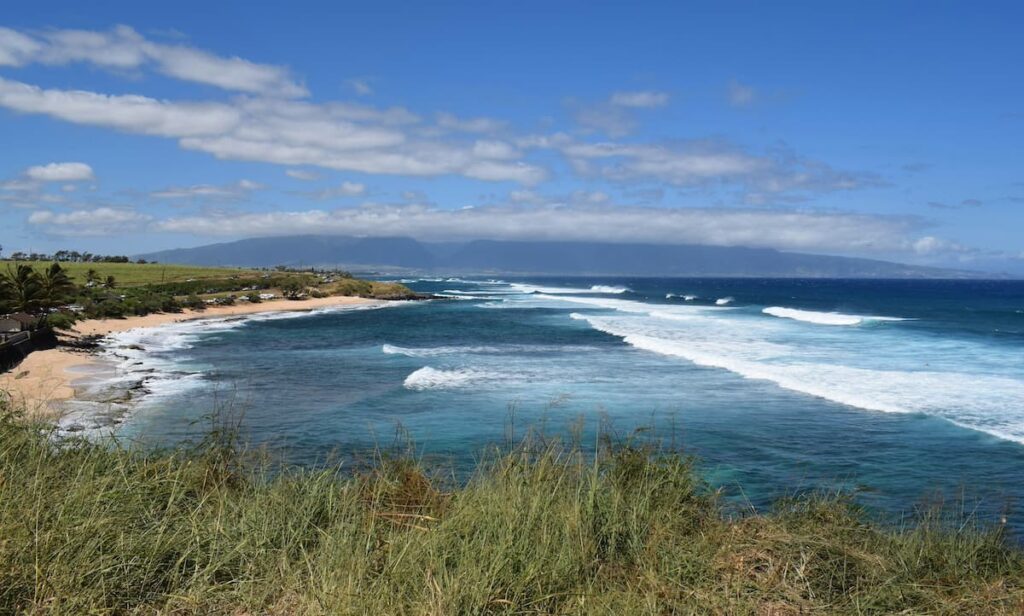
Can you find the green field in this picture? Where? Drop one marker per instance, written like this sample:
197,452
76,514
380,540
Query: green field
134,274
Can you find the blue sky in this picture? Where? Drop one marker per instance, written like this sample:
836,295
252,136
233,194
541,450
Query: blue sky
888,130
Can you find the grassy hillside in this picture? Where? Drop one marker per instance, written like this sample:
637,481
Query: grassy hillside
541,529
139,289
134,274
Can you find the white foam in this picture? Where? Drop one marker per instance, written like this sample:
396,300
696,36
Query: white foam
134,367
978,400
597,288
600,288
688,298
392,349
723,301
428,378
823,318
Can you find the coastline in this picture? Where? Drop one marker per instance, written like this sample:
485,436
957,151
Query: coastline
46,378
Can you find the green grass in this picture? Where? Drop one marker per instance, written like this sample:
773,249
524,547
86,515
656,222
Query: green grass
540,529
135,274
174,279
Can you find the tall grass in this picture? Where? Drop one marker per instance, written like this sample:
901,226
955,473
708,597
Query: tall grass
539,529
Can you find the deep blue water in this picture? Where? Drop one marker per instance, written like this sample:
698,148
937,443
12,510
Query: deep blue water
905,391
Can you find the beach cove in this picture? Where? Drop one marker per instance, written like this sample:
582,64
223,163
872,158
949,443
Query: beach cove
46,379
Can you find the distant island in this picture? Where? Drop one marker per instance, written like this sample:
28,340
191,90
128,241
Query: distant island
398,254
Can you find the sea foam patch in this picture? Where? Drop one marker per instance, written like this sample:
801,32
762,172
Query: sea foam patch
979,400
824,318
140,366
600,289
427,378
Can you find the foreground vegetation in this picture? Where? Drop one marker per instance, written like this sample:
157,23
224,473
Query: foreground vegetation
540,528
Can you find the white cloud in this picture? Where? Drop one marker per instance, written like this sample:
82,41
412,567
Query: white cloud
449,121
741,95
20,185
930,245
334,136
615,117
608,119
16,48
360,87
793,230
137,114
640,100
96,222
763,177
60,172
302,174
123,48
236,190
273,126
346,189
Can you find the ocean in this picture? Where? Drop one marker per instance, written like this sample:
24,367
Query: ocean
901,393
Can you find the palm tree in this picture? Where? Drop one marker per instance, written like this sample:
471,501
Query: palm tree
21,289
92,278
56,286
109,283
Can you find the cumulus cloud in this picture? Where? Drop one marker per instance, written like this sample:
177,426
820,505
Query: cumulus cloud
930,245
346,189
334,136
100,221
615,116
16,48
271,123
60,172
302,174
794,230
740,95
641,100
450,121
360,87
20,185
605,118
235,190
702,163
123,48
131,113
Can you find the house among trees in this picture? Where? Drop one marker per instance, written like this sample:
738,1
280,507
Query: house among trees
9,325
17,322
12,327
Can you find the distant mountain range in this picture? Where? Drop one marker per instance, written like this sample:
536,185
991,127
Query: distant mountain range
394,254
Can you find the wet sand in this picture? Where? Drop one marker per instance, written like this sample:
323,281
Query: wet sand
46,378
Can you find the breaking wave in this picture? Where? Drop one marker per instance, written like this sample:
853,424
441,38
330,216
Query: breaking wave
823,318
427,378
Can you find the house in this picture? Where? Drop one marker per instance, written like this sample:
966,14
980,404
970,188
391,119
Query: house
17,322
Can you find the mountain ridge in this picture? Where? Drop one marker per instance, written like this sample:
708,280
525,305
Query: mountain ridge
405,254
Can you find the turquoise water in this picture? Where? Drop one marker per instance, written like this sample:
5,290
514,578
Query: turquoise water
905,391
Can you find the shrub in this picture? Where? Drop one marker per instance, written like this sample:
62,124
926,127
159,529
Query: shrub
61,320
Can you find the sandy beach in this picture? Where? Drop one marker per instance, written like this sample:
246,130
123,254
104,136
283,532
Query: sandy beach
47,377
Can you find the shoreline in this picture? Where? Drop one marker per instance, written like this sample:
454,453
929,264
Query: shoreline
46,378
